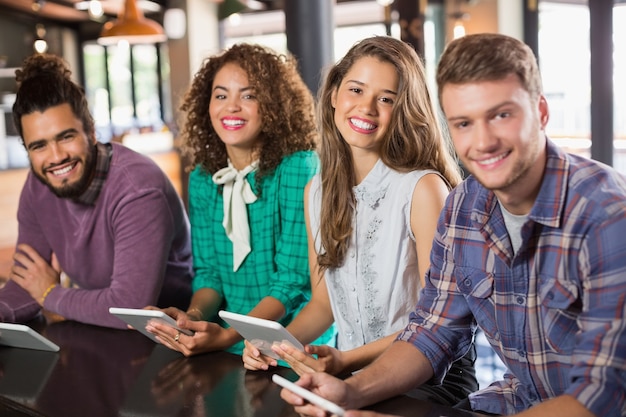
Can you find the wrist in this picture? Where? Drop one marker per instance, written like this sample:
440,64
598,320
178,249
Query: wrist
354,392
232,336
46,293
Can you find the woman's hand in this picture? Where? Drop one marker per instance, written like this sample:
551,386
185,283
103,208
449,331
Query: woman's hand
207,336
254,360
329,360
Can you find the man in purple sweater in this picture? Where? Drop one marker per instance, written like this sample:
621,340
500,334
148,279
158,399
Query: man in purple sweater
105,216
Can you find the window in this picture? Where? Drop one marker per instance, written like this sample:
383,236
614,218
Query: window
564,60
127,88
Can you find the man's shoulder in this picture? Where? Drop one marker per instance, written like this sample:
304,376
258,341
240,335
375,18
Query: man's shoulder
470,186
127,157
469,198
135,167
595,180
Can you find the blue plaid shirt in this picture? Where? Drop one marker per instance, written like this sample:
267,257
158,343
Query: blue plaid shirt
554,311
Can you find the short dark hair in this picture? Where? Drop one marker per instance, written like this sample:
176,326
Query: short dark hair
44,81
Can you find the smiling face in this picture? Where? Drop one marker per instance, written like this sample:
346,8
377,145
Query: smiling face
61,154
363,103
234,112
497,130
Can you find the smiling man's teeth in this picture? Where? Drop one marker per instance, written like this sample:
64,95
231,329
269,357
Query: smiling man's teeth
362,125
233,122
493,160
63,170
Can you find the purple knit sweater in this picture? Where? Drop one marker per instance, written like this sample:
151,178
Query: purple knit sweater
131,249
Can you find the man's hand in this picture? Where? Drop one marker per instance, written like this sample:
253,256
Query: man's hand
33,273
322,384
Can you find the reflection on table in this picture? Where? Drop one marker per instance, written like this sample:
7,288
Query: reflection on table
106,372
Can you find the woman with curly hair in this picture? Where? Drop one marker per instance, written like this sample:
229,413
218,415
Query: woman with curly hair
250,134
386,169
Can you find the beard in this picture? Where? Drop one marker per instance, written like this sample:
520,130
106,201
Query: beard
73,190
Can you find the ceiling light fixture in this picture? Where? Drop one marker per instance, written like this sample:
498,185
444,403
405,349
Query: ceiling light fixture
175,23
459,16
37,5
40,45
95,9
131,26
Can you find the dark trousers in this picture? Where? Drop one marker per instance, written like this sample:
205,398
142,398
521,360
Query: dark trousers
459,382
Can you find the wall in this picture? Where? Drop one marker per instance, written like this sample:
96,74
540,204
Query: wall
481,16
16,40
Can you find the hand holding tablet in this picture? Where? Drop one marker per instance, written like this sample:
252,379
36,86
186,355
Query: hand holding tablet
260,332
138,318
311,397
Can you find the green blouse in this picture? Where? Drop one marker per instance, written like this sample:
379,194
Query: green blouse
277,265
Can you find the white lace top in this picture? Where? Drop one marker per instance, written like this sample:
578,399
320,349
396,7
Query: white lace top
374,291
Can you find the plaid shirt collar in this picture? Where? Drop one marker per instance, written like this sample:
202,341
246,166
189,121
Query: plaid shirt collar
104,153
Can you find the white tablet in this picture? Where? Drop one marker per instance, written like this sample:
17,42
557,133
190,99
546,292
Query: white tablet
21,336
139,318
260,332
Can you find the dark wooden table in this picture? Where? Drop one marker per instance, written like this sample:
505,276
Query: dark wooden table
102,372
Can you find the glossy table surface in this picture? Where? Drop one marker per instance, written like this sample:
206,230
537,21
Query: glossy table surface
105,372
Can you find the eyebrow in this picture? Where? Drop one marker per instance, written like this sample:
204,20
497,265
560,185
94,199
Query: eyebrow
363,84
58,136
219,87
489,110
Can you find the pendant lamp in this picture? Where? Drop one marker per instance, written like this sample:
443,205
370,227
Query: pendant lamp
131,26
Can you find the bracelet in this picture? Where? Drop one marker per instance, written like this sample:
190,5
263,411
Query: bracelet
46,292
195,309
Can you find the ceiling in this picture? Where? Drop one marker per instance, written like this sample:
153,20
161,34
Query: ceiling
73,11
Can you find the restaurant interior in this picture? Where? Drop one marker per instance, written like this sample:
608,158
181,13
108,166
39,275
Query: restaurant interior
134,87
135,59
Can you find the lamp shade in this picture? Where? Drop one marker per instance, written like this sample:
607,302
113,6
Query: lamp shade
131,26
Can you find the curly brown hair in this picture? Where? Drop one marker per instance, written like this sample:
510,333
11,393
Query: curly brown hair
286,108
44,81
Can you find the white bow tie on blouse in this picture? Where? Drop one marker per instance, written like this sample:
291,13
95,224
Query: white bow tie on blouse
237,193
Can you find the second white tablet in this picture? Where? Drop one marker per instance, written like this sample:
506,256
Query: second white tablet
260,332
139,318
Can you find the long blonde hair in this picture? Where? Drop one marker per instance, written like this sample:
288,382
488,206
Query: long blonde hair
414,141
